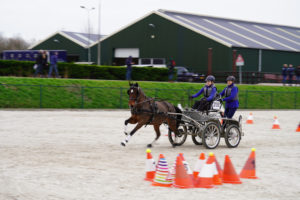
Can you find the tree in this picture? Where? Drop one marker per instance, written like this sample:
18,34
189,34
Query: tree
13,43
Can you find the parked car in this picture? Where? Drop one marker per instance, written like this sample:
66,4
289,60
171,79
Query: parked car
184,75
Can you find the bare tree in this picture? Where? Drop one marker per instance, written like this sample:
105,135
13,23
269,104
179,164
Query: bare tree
13,43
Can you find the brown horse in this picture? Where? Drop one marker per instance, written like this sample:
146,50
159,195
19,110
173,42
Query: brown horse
148,111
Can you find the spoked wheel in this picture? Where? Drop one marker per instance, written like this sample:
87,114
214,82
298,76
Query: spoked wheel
232,136
211,135
197,139
180,138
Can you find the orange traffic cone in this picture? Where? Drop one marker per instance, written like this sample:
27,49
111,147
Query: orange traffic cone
199,164
249,169
218,167
161,173
216,177
276,124
186,165
150,166
298,129
250,119
229,174
182,179
205,177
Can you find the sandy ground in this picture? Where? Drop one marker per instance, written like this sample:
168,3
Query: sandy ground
77,155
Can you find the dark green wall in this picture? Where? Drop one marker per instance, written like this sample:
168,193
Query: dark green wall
64,44
171,41
272,61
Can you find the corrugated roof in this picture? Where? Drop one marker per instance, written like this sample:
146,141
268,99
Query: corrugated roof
81,39
239,33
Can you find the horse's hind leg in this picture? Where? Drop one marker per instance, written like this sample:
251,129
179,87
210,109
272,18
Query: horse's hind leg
157,131
138,126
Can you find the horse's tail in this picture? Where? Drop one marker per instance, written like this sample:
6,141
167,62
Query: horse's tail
178,117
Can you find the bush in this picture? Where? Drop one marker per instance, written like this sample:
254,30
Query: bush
69,70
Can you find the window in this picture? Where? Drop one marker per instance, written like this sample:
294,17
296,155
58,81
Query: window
158,61
145,61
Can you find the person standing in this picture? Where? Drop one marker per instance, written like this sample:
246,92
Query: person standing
290,72
129,64
53,65
284,73
231,97
39,63
171,67
297,73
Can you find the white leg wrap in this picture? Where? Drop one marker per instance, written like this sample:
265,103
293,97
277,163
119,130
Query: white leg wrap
125,129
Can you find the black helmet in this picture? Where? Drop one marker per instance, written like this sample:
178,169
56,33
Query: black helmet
210,78
230,78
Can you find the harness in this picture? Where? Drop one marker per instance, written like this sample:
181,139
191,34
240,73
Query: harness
207,91
228,93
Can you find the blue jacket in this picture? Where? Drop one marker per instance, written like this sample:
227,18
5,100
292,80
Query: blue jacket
284,71
129,63
290,71
212,94
232,100
53,59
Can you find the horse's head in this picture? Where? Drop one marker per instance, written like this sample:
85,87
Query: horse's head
133,93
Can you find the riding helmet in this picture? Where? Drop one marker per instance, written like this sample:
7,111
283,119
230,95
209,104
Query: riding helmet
230,78
210,78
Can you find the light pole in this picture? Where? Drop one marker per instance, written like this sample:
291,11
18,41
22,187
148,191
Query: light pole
99,33
89,31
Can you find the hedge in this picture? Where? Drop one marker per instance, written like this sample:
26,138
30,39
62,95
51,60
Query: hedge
70,70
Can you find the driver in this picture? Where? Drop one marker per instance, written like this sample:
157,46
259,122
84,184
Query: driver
231,97
209,91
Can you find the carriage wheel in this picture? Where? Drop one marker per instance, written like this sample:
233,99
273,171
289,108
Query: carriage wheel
180,138
197,139
211,135
232,136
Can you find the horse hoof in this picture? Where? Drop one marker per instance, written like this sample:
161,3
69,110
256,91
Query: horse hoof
123,144
149,145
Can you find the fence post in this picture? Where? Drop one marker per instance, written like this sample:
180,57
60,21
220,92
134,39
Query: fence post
246,99
41,95
271,99
295,103
121,95
82,97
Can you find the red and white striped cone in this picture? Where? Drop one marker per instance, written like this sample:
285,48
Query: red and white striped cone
150,166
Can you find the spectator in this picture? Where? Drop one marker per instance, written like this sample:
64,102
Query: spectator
171,66
284,73
53,65
39,62
129,64
290,72
297,72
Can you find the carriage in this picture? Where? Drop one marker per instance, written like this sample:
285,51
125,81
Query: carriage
207,127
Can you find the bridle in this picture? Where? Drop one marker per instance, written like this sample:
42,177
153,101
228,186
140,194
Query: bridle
137,96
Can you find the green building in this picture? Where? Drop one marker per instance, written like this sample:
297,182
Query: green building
202,43
76,44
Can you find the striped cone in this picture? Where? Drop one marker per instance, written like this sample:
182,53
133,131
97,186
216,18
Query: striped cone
150,166
205,177
172,171
250,119
249,169
229,174
216,177
276,123
161,173
182,179
199,164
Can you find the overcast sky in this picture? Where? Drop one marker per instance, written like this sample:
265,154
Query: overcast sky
37,19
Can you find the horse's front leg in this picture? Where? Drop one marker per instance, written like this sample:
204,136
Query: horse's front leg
138,126
130,120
